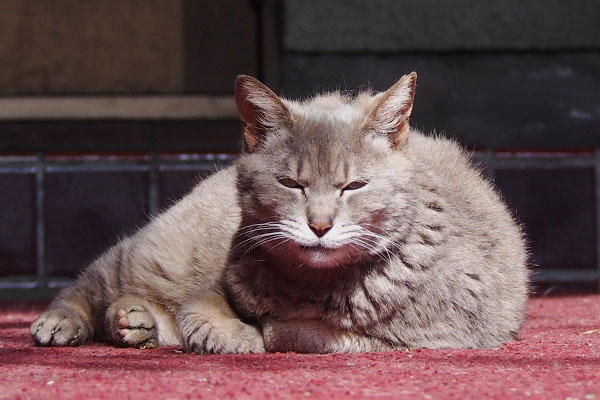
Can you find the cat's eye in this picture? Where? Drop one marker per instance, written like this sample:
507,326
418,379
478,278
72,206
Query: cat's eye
289,183
354,185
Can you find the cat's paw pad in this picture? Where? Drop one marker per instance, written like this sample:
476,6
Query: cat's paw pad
58,328
135,328
229,336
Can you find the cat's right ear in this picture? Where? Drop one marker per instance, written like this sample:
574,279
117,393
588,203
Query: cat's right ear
260,109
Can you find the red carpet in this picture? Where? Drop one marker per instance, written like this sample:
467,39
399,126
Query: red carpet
558,357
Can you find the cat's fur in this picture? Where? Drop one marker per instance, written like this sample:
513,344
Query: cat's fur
340,229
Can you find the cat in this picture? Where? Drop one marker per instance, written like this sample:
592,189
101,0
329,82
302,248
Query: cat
361,234
339,229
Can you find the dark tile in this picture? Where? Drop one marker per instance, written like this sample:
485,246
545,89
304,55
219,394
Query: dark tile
17,223
89,210
514,100
478,161
74,136
563,288
220,39
102,136
174,182
203,136
557,209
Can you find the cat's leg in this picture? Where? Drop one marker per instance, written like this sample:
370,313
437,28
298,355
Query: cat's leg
75,315
67,322
209,325
135,322
312,336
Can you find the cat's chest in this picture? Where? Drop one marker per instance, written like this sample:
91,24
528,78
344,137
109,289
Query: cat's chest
356,300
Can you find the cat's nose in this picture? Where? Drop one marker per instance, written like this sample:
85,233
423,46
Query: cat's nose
320,228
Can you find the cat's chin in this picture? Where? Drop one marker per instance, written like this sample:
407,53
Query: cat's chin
324,257
316,256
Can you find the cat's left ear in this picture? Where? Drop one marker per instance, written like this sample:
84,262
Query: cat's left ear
391,115
260,109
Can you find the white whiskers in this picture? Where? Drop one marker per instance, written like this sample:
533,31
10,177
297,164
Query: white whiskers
358,237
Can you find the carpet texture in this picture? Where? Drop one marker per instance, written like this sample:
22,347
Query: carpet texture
557,357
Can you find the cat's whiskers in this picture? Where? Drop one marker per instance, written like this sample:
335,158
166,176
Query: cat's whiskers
262,240
250,231
390,235
284,231
385,255
385,241
380,244
367,244
358,247
285,240
266,237
259,226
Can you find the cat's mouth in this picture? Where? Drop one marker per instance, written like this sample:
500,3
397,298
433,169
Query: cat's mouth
322,253
319,256
316,247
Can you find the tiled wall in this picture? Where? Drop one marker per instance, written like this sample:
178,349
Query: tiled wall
59,212
17,221
555,196
557,207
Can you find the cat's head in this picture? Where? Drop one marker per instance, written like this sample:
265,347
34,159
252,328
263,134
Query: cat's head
324,182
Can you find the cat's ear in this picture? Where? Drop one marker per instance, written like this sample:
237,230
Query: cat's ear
260,109
391,114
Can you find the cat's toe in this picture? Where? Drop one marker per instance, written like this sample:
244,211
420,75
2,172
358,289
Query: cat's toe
250,339
229,336
140,338
57,328
135,328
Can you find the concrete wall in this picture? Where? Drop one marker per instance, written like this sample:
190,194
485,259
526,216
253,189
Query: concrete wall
440,25
100,46
491,73
497,75
126,46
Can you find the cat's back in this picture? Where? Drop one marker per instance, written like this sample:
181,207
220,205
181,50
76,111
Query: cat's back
191,240
444,167
472,205
482,241
480,250
211,207
443,158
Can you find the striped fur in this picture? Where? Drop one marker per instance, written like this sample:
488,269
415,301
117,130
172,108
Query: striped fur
414,248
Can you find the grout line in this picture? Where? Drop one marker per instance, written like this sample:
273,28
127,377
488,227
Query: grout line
154,190
98,167
489,159
597,210
549,275
153,165
565,275
155,107
490,165
40,221
550,163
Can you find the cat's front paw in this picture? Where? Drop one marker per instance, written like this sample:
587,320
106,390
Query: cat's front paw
58,327
226,336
